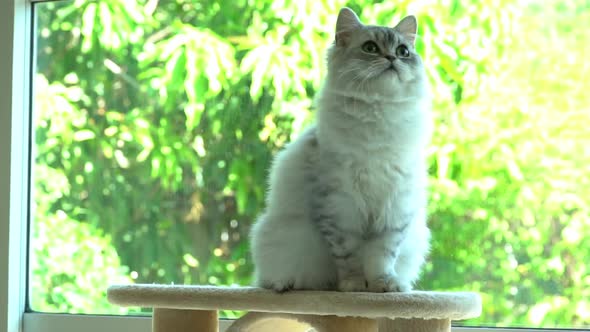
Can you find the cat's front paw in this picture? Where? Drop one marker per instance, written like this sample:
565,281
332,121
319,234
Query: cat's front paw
352,285
278,286
388,283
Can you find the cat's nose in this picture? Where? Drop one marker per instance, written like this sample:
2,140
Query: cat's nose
390,57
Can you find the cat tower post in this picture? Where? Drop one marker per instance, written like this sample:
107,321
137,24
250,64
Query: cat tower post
180,308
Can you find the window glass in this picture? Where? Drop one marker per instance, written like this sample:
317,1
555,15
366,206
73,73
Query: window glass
155,123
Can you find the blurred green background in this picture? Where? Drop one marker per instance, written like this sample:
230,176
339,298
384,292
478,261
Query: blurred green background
155,123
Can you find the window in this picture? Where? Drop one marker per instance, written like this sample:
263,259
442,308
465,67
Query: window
153,123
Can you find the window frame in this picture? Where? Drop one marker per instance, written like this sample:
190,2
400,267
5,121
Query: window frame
15,142
14,153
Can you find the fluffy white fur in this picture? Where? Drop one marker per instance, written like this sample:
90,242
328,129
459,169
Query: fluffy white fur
346,206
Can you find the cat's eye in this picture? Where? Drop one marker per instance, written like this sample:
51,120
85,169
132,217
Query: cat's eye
402,51
370,47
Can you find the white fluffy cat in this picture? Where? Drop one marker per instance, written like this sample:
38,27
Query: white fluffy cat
346,208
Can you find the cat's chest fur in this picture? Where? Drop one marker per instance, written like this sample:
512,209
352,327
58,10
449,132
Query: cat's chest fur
370,175
370,158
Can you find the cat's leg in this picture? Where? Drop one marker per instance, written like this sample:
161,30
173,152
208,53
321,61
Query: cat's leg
345,251
413,251
380,255
339,222
382,251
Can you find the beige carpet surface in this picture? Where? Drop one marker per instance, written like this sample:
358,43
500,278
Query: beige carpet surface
416,304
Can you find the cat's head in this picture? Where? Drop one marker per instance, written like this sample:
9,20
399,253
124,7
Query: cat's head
375,62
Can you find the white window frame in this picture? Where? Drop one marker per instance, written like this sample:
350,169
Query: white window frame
15,73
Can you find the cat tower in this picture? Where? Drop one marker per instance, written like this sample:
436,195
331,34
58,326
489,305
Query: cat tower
180,308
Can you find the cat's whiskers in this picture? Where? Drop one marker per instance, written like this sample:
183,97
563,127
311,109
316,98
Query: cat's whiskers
369,73
349,70
356,84
359,76
357,66
358,80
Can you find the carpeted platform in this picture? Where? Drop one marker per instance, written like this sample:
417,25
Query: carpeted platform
324,311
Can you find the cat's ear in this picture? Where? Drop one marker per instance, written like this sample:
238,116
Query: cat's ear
408,28
346,22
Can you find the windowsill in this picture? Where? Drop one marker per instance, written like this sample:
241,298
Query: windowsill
41,322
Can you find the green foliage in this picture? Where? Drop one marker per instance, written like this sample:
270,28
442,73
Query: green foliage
70,261
156,123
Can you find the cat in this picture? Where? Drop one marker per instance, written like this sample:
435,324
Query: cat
346,206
